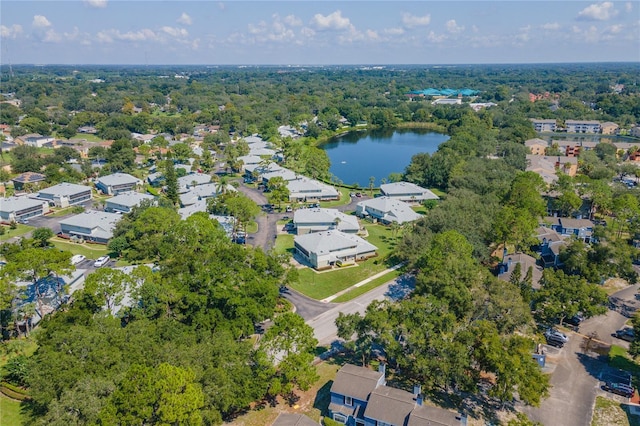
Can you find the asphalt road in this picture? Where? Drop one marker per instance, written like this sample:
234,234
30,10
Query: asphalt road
576,379
324,327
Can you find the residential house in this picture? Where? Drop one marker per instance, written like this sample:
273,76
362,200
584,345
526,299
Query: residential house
635,132
387,210
550,243
447,101
506,268
304,189
125,201
116,183
547,166
407,192
582,126
248,160
293,419
328,248
192,180
609,128
23,181
567,226
66,194
88,130
34,139
202,192
536,146
94,225
361,397
547,125
319,219
15,209
285,174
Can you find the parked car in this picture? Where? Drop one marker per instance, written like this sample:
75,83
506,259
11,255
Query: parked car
352,194
358,194
289,209
627,334
575,320
556,334
23,221
78,258
101,261
619,389
554,341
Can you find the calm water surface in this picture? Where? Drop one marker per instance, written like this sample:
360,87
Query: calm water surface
359,155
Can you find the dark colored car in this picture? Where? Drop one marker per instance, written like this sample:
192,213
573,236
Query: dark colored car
575,320
554,341
619,389
626,334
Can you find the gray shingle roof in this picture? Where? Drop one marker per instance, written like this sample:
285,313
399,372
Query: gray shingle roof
13,204
118,179
356,382
393,210
308,217
407,188
65,189
390,405
100,223
129,198
326,242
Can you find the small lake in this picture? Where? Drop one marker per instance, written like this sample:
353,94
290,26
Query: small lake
357,156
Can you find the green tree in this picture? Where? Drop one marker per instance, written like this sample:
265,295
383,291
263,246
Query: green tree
278,191
165,394
171,182
41,236
109,286
562,296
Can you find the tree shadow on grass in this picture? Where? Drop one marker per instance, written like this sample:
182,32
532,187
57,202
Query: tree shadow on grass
323,398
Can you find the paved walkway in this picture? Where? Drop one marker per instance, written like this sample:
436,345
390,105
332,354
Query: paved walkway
363,282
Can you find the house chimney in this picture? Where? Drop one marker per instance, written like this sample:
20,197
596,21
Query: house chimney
417,389
419,400
382,368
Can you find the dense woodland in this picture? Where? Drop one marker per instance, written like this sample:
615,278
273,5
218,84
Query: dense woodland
188,332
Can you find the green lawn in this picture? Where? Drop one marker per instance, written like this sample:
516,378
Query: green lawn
368,286
91,251
10,414
10,233
344,199
319,285
252,227
284,243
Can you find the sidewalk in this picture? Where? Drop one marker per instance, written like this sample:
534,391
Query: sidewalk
363,282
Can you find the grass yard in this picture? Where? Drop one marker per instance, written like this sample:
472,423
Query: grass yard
252,227
10,233
284,244
88,137
10,414
344,199
319,285
90,251
609,412
368,286
619,358
15,347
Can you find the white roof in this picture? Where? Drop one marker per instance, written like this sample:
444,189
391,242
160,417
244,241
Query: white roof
129,198
393,210
100,223
250,159
322,243
118,179
198,206
13,204
323,216
65,189
408,189
536,141
285,174
202,191
303,187
198,178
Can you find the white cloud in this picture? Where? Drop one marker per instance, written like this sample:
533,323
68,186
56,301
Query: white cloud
10,32
52,37
411,21
394,31
435,38
550,26
185,19
109,36
221,5
628,7
598,12
175,32
615,29
453,27
333,21
98,4
292,20
40,21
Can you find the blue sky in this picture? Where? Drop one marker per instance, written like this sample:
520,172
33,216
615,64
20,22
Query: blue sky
317,32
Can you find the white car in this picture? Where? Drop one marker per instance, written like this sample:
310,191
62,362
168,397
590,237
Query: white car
78,258
101,261
556,334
